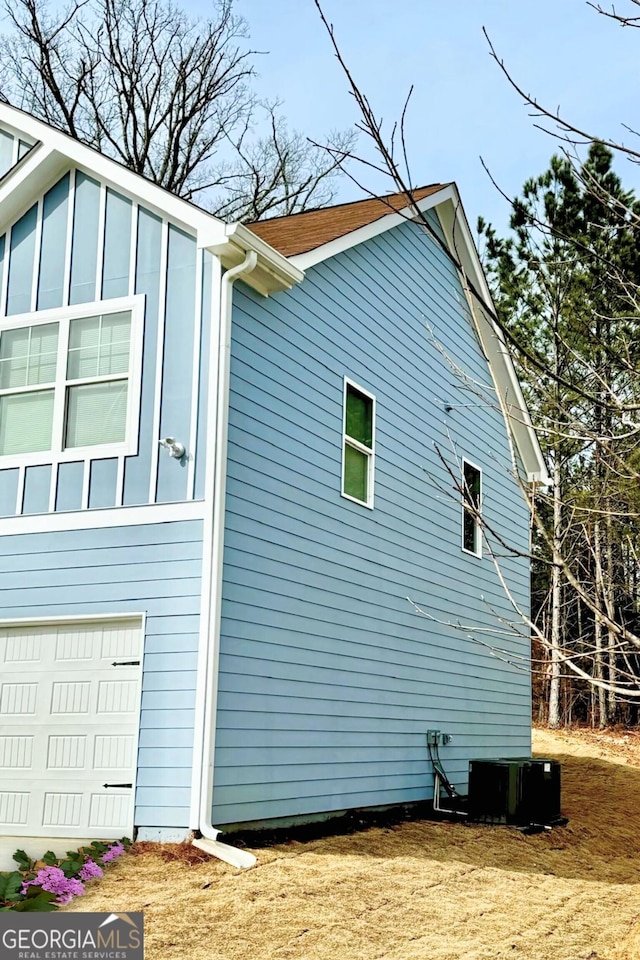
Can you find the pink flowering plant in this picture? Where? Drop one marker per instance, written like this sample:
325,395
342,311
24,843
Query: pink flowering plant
52,881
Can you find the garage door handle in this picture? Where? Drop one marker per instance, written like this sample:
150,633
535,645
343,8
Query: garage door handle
125,663
119,785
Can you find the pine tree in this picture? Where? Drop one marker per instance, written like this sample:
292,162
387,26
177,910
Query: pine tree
565,285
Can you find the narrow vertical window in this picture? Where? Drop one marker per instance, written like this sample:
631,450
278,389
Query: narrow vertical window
358,444
471,506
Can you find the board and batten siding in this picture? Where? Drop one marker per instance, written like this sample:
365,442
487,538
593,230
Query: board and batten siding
154,570
329,678
83,242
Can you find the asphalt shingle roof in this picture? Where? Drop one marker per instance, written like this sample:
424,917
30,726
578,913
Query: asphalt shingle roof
301,232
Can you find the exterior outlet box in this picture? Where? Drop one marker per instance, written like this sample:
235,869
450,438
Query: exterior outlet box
519,791
435,738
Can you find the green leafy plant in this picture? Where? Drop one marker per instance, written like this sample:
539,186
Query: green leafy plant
43,885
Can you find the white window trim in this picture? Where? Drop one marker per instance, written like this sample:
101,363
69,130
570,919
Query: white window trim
126,448
346,440
471,553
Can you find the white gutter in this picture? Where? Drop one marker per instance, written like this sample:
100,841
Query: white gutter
212,589
274,272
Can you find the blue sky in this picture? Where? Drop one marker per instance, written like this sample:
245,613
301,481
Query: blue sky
462,107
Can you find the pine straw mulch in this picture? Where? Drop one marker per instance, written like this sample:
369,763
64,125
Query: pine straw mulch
416,890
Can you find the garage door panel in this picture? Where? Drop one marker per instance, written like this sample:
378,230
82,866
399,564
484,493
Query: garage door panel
18,699
114,751
16,752
109,811
69,729
20,649
14,808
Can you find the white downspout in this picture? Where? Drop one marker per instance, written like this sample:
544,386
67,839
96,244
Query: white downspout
211,633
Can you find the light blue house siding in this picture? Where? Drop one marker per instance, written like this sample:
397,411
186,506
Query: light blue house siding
329,678
82,242
151,569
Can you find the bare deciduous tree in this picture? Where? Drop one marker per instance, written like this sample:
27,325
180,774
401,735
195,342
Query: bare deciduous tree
587,544
168,96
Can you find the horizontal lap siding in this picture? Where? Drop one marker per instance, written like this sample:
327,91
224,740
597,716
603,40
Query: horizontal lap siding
329,678
152,569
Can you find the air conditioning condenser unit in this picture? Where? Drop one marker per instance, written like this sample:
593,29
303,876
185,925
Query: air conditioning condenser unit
519,791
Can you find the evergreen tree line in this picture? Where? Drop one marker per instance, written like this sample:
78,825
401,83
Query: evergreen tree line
566,287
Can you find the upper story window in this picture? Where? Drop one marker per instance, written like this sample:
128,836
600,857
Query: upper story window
358,444
471,507
70,380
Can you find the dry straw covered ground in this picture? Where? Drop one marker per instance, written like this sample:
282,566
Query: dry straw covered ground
415,891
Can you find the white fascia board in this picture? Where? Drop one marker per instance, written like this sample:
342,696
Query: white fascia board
460,241
22,184
96,164
231,242
273,273
384,223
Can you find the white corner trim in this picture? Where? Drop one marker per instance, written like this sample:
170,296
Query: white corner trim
213,557
384,223
99,519
214,320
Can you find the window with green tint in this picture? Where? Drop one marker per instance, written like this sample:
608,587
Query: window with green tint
359,416
472,502
358,450
64,384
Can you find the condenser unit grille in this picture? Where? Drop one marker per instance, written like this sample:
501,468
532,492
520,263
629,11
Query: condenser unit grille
519,791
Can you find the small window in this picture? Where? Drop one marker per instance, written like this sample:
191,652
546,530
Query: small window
357,444
66,381
471,506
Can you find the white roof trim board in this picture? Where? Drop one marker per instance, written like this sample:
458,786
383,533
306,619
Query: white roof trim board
55,151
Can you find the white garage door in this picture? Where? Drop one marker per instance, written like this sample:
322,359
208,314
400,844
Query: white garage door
69,718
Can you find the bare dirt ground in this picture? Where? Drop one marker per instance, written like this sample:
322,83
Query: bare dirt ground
416,891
